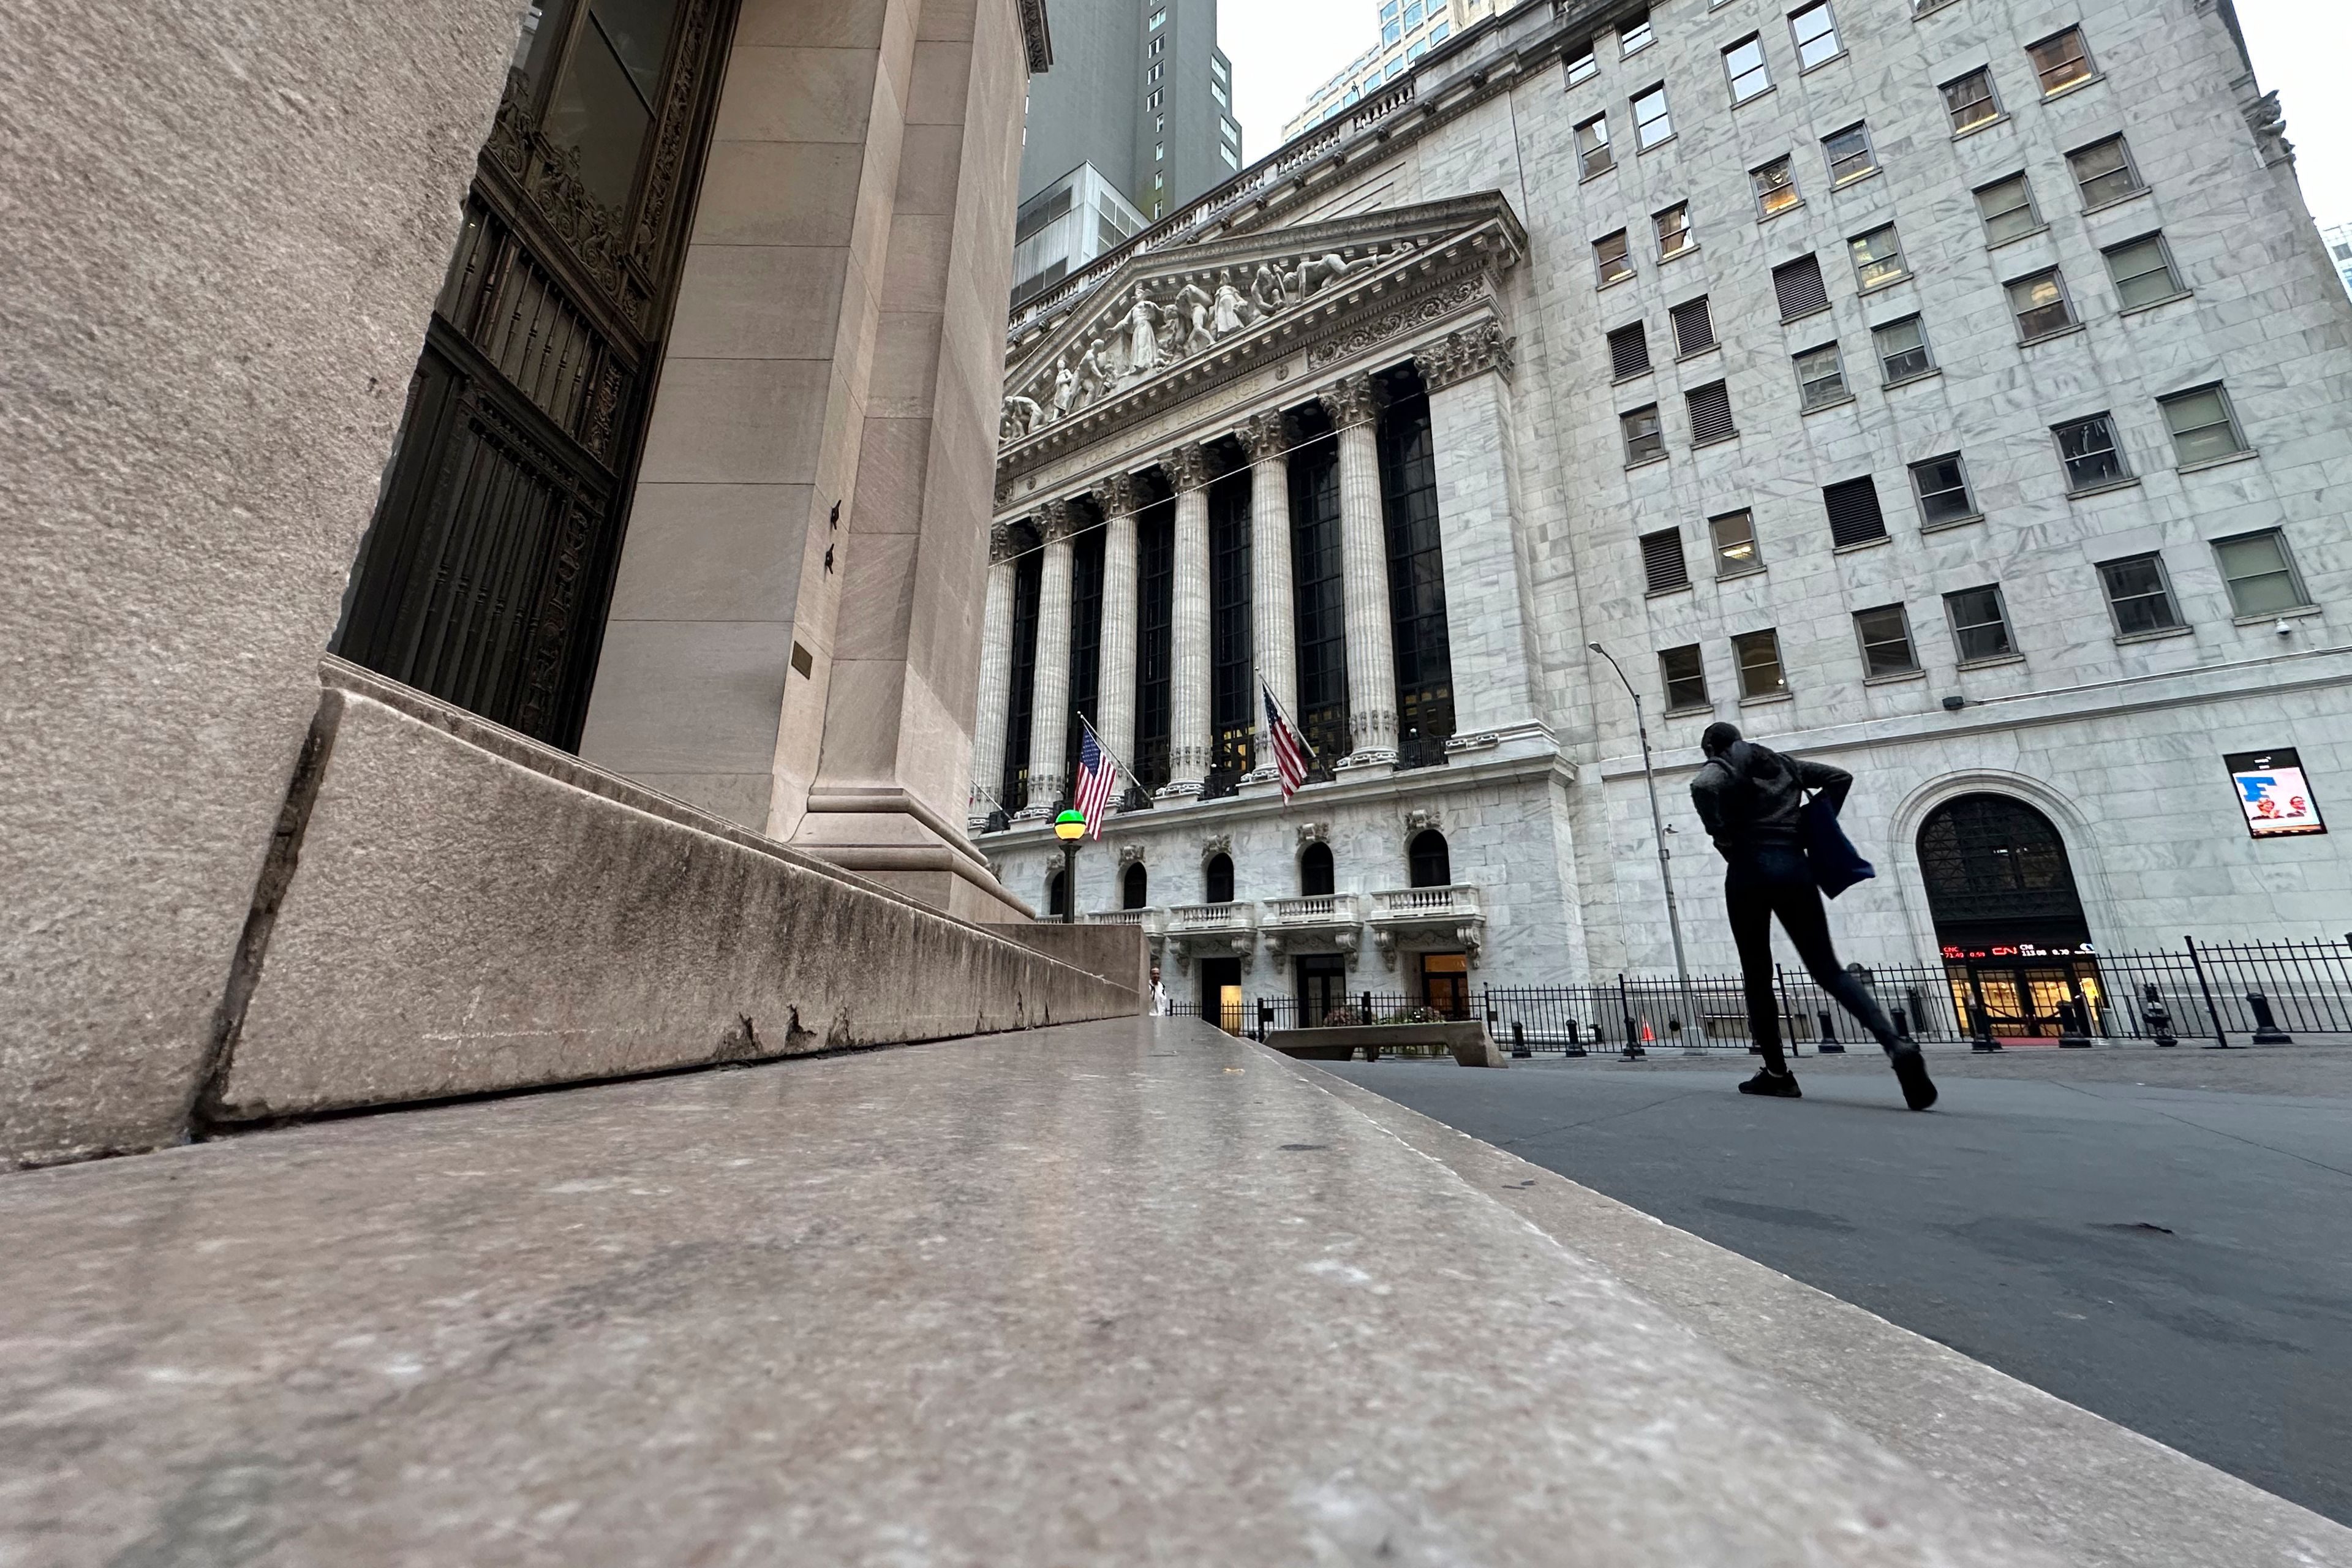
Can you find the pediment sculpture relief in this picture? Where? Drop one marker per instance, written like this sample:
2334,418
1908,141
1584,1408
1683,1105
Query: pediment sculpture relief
1160,324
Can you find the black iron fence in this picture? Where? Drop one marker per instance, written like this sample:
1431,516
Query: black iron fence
2231,994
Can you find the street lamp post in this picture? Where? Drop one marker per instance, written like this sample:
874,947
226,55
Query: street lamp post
1666,855
1069,827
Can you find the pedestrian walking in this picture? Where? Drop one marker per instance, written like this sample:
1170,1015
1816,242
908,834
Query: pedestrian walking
1158,995
1752,800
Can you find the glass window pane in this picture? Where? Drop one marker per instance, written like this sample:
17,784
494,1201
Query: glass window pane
2143,273
2062,61
1970,102
1878,257
1815,30
1886,636
2201,427
2007,209
1820,376
2092,458
1685,675
2040,305
1903,350
1776,186
2140,596
1849,153
1980,629
2261,581
2103,173
1942,486
1744,63
1735,544
1758,657
598,110
1651,125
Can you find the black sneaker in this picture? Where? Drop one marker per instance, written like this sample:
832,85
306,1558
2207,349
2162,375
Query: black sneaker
1911,1071
1777,1086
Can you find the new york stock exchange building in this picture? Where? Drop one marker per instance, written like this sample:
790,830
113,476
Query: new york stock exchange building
1947,392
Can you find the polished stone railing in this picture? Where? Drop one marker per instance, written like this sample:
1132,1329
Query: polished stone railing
1211,917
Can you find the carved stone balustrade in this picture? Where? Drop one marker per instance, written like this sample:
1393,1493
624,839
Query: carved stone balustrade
1427,916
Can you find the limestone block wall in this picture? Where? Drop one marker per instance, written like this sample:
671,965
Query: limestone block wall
228,220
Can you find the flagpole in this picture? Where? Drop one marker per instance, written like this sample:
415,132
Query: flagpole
1118,761
1275,703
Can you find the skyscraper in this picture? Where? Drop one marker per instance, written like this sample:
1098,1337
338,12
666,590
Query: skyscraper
1409,29
1142,92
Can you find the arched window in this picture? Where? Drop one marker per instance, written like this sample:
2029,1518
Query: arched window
1219,876
1314,880
1057,895
1134,889
1433,865
1997,875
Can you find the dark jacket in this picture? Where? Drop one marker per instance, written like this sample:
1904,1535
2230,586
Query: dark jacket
1751,796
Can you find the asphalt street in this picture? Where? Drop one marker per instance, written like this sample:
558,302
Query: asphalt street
2126,1230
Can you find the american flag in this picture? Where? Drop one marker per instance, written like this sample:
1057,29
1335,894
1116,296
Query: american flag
1097,774
1290,753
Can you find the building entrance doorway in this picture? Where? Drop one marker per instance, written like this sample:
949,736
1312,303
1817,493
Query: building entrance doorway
1322,986
2010,921
1445,984
1221,993
485,577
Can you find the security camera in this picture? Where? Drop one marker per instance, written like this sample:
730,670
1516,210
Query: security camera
2285,628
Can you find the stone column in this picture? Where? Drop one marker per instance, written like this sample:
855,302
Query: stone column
1354,406
1188,697
1489,607
1049,686
995,681
1273,629
1115,690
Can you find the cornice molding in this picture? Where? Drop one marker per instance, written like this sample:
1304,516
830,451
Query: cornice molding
1037,35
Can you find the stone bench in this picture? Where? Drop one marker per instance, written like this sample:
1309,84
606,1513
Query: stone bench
1470,1043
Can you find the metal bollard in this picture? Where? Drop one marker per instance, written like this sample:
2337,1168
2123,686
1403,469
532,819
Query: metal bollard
1634,1051
2266,1030
1520,1040
1265,1019
2158,1016
1831,1045
1575,1040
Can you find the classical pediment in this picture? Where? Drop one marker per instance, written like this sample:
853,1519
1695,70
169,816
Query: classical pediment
1172,323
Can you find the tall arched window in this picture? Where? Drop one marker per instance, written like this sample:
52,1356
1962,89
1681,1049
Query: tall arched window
1997,875
1431,864
1134,889
1218,877
1314,877
1057,895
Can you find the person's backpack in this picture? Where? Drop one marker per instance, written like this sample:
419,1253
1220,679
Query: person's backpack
1836,864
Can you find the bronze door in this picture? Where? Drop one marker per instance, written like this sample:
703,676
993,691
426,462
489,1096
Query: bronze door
484,577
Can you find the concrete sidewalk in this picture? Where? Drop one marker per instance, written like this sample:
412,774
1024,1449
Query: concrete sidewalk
1110,1294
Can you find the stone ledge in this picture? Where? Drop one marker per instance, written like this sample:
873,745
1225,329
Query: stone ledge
466,911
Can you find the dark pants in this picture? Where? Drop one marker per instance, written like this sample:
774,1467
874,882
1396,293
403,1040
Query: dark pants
1774,880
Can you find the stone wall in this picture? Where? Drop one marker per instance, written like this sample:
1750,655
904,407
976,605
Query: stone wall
228,220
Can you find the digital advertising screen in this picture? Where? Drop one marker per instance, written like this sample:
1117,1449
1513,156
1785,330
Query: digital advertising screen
2274,794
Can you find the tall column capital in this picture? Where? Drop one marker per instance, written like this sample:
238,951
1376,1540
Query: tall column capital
1056,520
1265,437
1473,351
1116,494
1356,400
1187,466
1000,547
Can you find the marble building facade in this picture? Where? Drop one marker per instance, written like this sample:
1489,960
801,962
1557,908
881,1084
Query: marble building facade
1949,391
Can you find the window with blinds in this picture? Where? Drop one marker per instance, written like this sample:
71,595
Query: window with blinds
1694,326
1629,351
1855,515
1710,414
1663,562
1799,287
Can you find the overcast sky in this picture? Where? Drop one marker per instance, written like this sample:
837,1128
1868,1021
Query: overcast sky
1284,49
